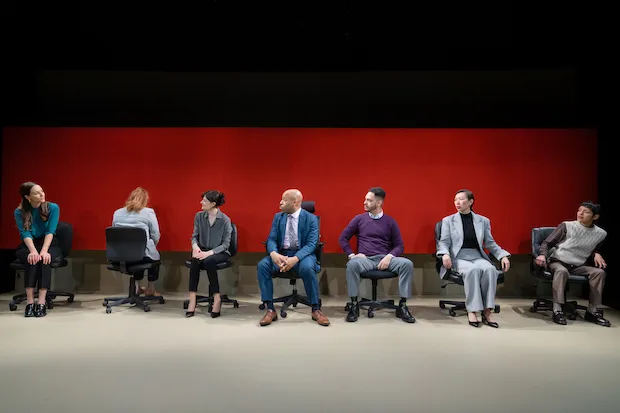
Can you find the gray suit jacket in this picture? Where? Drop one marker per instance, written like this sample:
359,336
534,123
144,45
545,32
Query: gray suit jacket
452,238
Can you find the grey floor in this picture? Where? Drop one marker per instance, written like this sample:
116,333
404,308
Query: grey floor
80,359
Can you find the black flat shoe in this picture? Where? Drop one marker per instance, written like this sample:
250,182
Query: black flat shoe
559,318
29,311
40,310
489,323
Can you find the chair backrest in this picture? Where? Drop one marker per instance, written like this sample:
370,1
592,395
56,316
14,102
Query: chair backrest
538,237
64,232
232,248
125,244
310,207
438,262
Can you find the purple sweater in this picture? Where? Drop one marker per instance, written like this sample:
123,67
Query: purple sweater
374,236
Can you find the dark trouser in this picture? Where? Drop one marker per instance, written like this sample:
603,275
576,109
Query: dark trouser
153,272
39,272
210,265
560,272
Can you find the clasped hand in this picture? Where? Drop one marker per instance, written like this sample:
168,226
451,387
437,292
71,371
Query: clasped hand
201,255
284,263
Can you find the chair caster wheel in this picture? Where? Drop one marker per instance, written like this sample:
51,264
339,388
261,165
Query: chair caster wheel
371,313
108,310
261,307
235,305
347,307
209,308
442,306
70,299
50,305
12,306
453,313
283,314
496,309
572,317
533,309
185,305
162,301
147,308
294,305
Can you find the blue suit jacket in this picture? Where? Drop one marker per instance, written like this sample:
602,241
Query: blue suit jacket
308,233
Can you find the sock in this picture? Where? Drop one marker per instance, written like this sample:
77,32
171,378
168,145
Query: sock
270,305
315,307
557,307
403,302
592,309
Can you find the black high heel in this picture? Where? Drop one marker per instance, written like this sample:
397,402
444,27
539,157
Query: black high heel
189,314
473,323
489,323
214,314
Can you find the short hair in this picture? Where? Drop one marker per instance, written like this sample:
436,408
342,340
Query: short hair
378,191
469,194
215,196
595,208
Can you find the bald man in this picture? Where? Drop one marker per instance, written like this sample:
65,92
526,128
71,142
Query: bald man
292,240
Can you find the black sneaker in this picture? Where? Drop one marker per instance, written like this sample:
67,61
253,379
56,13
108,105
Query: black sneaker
559,318
597,318
354,312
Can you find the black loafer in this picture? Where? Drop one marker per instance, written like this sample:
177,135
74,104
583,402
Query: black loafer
403,313
29,311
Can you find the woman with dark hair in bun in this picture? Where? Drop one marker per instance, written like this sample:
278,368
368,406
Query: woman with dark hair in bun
210,243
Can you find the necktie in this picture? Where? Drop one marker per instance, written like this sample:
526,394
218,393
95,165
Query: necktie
290,231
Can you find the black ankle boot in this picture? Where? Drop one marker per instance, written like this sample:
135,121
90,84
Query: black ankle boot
40,310
29,312
354,312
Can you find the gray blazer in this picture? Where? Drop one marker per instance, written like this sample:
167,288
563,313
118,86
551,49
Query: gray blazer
452,238
144,219
216,237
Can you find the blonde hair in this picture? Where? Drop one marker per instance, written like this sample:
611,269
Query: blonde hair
138,199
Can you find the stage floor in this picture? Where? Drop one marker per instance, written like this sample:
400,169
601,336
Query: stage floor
81,359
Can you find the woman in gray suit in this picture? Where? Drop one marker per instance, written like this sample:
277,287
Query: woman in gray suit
464,235
136,214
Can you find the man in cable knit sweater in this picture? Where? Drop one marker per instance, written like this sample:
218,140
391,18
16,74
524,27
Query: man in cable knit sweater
567,250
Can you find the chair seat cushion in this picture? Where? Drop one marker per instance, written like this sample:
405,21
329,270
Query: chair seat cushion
57,263
219,266
131,269
290,275
579,279
458,278
378,274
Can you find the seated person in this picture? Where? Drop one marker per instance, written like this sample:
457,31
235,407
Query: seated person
291,244
210,242
379,247
36,221
566,251
464,236
136,214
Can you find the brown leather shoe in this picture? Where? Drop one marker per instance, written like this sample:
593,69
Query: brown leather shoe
320,318
269,317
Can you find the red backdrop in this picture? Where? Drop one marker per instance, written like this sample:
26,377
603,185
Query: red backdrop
521,177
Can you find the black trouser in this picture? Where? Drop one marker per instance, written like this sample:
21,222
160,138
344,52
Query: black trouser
153,271
39,272
210,265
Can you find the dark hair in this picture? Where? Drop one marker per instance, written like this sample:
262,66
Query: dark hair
469,194
26,208
215,196
595,208
378,191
